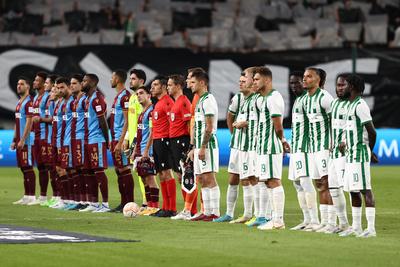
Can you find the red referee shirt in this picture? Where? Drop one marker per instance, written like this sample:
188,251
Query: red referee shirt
160,117
179,116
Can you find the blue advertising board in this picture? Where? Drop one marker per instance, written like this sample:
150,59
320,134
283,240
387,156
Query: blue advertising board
386,148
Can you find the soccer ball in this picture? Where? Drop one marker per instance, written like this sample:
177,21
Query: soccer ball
131,210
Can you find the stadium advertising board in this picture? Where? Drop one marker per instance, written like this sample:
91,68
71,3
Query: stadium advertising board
386,148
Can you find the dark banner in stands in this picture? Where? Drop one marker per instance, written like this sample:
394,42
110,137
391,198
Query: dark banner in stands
379,67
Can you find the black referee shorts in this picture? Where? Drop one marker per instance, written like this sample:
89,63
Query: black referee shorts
179,148
162,154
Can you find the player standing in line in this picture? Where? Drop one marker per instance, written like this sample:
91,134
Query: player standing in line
96,141
119,128
161,146
360,140
137,78
247,123
205,154
337,159
48,120
77,142
271,144
299,158
39,146
179,123
233,166
143,153
317,105
22,142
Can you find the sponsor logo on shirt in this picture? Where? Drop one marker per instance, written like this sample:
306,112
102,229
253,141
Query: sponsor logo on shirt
18,115
98,108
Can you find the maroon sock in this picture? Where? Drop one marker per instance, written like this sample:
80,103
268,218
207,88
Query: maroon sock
93,187
64,187
26,191
53,178
147,193
30,177
75,186
127,180
81,186
43,179
154,196
121,187
103,184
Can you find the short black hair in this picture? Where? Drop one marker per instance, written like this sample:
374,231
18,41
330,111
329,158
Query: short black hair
139,73
145,88
121,74
63,80
163,80
356,82
343,75
323,78
93,77
178,79
42,75
297,73
52,77
26,79
200,76
195,69
78,77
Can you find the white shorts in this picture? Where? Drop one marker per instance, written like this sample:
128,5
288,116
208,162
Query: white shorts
209,164
247,164
269,166
318,164
336,172
233,166
298,166
357,176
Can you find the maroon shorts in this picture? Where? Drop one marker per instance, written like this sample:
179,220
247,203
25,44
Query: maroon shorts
77,151
66,158
39,150
95,156
120,160
24,157
58,156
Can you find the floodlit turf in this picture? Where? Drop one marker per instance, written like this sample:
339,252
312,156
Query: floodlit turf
177,243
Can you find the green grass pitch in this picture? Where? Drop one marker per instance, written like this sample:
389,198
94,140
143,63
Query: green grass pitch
177,243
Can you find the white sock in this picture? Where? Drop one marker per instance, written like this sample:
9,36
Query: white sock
270,204
356,213
370,214
323,208
205,193
339,201
231,197
247,201
301,197
331,215
215,196
263,190
278,195
256,197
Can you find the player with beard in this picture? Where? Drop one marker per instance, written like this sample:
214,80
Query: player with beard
39,147
317,106
161,146
77,143
22,142
96,142
299,159
137,78
119,128
359,140
271,144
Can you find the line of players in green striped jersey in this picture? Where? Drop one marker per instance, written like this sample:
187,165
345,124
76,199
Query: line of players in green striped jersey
332,142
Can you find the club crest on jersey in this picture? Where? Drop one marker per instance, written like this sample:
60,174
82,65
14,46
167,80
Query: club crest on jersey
98,108
172,116
155,115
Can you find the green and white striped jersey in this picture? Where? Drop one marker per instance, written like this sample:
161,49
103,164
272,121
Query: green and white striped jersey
249,112
267,141
356,134
234,107
300,138
206,106
339,110
317,107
